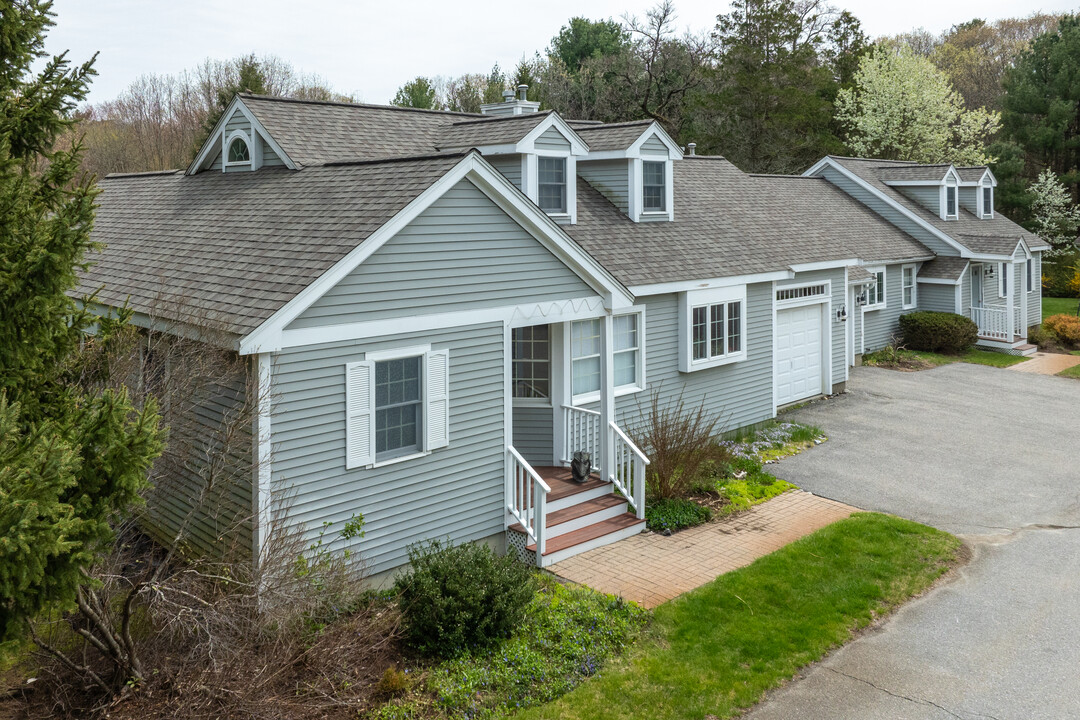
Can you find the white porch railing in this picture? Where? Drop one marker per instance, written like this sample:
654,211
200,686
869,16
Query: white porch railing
993,322
1019,324
628,475
582,433
527,495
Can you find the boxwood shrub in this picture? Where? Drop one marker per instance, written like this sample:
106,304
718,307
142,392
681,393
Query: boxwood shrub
938,332
461,597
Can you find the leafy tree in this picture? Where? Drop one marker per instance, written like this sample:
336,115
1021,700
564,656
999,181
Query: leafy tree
71,459
1054,217
1041,107
249,77
903,108
418,93
582,39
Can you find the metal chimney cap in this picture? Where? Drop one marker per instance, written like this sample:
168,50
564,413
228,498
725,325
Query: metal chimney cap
523,92
691,147
508,96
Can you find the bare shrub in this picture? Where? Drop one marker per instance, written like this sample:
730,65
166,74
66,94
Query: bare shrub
678,441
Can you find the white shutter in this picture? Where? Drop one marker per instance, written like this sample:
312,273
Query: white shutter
359,414
437,399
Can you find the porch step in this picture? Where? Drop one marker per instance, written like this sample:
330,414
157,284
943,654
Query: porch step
566,493
589,537
1027,349
581,515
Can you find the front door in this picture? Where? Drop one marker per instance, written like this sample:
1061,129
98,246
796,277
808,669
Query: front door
976,285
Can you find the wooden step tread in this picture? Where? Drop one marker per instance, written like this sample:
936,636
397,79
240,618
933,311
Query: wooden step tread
587,533
575,511
569,489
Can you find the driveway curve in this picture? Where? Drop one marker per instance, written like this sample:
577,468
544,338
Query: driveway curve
992,456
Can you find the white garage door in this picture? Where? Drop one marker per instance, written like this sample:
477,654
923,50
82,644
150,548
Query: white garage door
798,353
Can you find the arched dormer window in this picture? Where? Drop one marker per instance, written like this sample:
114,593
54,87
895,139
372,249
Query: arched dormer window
238,151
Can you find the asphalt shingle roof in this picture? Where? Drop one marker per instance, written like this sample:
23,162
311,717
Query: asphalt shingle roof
901,173
730,223
858,274
989,235
971,174
230,249
615,136
943,268
491,131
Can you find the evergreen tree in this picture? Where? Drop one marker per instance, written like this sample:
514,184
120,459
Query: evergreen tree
583,39
71,460
417,93
248,76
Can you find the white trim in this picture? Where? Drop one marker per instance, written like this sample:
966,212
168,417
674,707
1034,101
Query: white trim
688,285
823,265
828,161
262,438
1003,276
943,199
204,157
226,147
825,301
268,336
1029,277
914,286
527,144
634,150
938,281
399,353
638,172
958,298
692,299
641,381
799,302
980,190
884,288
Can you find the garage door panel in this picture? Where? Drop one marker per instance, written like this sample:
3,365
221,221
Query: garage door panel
798,353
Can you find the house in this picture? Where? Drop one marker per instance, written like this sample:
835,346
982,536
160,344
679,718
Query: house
438,309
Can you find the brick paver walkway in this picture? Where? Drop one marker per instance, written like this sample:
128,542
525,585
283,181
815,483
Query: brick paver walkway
651,568
1047,363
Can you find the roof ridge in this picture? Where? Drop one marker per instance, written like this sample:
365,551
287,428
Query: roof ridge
786,176
706,157
403,158
370,106
142,174
500,118
604,126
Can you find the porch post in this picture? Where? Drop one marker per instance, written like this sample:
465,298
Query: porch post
607,397
1024,297
1010,296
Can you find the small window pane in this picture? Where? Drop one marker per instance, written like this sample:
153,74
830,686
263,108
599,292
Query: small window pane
586,375
531,362
625,330
716,330
988,200
625,368
238,151
734,342
700,334
950,201
397,406
654,195
585,338
551,184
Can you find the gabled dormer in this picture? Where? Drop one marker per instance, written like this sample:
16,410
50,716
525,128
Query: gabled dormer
632,165
935,187
239,143
977,191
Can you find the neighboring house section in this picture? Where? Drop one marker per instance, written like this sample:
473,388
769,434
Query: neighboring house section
440,310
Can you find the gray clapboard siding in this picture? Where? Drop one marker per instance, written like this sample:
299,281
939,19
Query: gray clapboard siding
463,252
965,290
240,122
882,325
509,166
534,434
1034,298
611,178
212,423
929,197
888,212
454,492
968,198
739,393
552,139
654,147
937,298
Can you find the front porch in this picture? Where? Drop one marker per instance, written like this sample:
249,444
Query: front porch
999,309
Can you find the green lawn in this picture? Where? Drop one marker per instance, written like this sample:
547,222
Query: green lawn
719,648
1058,306
1073,372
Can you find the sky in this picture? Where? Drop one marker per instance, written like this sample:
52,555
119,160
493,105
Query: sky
369,49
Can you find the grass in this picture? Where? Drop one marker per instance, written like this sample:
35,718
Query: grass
568,635
919,360
719,648
1073,372
1058,306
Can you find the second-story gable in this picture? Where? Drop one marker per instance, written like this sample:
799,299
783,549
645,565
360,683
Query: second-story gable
239,143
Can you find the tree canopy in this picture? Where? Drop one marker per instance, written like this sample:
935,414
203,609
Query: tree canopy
583,39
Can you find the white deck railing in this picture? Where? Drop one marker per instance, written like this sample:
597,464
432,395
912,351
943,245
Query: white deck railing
628,475
527,496
993,322
1019,324
582,433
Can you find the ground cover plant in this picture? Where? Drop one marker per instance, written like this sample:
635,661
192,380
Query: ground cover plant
719,648
567,636
899,358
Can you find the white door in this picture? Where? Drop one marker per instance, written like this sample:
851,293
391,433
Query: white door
798,353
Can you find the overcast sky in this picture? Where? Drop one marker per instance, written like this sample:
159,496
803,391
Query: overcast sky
369,48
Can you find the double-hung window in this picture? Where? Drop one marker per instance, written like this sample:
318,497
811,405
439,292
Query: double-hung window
532,362
551,184
716,330
1003,279
950,201
396,405
907,282
653,186
875,294
1030,265
586,346
988,201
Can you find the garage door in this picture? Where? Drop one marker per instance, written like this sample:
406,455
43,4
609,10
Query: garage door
798,353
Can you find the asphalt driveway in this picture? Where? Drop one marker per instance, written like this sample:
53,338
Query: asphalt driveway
990,455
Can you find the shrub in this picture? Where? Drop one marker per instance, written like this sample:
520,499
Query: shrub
938,332
679,442
1065,328
675,514
455,598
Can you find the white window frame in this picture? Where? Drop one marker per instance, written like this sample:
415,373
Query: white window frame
945,201
701,298
662,210
914,287
427,443
1030,274
530,179
1003,279
984,212
535,402
639,382
228,141
872,290
637,210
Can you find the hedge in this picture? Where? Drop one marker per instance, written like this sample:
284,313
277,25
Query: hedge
938,332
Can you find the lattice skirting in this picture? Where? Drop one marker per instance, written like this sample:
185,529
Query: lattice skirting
516,542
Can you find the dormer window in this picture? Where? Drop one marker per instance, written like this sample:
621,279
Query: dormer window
551,184
988,201
653,187
950,201
238,151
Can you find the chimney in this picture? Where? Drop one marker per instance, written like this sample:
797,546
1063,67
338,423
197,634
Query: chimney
512,104
691,147
508,96
523,92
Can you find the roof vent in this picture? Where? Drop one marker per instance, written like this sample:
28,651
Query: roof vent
523,92
691,147
508,96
